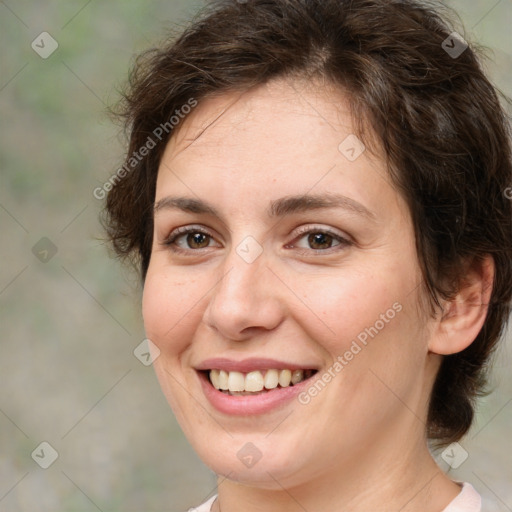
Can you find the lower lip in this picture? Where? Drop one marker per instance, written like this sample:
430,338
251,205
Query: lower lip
243,405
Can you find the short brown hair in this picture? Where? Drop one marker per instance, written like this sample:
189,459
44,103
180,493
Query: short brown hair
435,114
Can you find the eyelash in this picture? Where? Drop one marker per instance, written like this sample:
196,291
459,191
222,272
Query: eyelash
179,232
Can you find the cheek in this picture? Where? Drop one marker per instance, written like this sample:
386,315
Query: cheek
353,305
378,342
170,307
171,314
367,320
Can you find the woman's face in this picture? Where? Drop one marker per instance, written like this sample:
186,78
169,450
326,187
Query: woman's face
299,254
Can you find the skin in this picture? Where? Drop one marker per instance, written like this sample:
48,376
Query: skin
360,444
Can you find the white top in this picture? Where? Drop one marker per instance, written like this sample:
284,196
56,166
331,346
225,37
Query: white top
468,500
206,506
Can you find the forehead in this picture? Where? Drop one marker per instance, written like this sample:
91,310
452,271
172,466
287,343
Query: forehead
291,110
281,138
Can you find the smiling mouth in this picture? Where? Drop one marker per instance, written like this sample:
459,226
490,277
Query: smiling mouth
256,382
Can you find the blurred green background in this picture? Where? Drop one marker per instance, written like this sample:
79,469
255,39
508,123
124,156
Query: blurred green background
71,320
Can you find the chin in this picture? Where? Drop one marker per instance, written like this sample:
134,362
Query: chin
264,463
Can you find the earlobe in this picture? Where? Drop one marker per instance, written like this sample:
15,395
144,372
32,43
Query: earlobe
465,314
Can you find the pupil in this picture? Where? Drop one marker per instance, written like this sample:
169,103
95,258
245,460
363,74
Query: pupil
197,240
320,239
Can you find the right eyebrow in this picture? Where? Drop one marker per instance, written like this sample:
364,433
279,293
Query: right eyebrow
187,204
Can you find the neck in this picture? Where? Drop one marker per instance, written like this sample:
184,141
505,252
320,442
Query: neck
405,479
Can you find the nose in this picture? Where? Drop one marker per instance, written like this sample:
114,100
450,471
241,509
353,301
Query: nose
246,300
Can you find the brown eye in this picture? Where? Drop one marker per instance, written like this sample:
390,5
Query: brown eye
198,240
189,239
315,241
320,240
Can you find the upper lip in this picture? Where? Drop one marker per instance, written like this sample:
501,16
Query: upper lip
249,365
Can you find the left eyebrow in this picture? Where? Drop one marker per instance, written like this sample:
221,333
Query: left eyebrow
307,202
278,208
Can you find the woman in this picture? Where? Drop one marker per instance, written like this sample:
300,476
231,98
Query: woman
314,192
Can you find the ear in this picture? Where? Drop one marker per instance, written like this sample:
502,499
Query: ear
464,315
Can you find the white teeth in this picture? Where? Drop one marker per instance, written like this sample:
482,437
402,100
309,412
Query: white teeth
214,377
255,381
297,376
285,377
236,381
271,379
223,380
